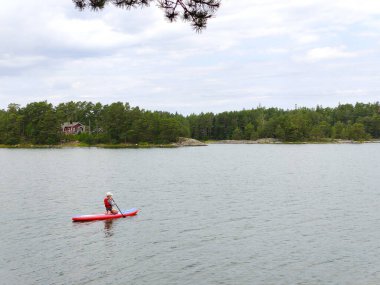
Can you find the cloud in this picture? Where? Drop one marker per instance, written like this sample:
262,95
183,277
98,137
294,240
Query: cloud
326,53
253,52
7,60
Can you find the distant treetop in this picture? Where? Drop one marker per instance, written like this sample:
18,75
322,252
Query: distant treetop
197,12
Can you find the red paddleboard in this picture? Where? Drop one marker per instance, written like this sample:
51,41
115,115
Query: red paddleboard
86,218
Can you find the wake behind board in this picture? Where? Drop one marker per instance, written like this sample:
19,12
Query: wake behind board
86,218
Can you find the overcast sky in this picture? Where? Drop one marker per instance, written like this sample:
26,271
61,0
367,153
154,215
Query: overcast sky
272,53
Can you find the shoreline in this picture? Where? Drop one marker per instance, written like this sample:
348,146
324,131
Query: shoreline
273,141
182,142
83,145
176,145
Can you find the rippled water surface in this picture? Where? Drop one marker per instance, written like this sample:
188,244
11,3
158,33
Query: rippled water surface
223,214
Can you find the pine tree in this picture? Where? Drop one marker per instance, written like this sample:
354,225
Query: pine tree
196,12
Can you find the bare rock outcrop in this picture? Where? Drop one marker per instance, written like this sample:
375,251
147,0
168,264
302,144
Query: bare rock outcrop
188,142
259,141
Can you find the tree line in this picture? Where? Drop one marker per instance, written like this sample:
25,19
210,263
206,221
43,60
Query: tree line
40,123
346,121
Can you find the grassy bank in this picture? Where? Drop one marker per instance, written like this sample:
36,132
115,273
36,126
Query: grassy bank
84,145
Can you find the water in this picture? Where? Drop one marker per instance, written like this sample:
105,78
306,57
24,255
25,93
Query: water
223,214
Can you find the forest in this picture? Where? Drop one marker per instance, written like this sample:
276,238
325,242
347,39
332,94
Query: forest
40,123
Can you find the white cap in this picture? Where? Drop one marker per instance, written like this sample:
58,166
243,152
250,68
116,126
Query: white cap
109,194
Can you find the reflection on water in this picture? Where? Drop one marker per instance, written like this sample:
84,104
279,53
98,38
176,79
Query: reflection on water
108,232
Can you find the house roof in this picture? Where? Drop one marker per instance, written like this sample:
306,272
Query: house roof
73,124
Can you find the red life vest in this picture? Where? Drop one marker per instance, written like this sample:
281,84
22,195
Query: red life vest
107,203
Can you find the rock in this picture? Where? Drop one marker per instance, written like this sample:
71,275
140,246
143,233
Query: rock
234,142
188,142
268,140
259,141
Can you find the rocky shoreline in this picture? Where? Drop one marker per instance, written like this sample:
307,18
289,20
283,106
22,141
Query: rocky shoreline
276,141
184,142
259,141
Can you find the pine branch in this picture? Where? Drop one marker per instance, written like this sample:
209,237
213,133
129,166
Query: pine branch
196,12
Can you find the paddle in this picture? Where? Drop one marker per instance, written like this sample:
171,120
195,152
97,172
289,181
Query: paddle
118,208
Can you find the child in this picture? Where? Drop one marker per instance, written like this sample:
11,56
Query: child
108,203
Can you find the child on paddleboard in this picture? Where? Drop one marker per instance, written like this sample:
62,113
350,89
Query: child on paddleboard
109,203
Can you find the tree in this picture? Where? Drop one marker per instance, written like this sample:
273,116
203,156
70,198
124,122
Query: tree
41,124
237,134
3,125
196,12
248,130
279,133
321,131
357,132
13,124
114,121
170,130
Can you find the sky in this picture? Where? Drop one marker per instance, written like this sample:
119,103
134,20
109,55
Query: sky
270,53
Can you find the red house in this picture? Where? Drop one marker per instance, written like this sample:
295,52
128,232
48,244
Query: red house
73,128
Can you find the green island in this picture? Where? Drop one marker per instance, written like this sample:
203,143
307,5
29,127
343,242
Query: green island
118,125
